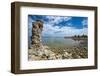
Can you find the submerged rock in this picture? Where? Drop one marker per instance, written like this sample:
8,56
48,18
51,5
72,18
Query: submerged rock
67,55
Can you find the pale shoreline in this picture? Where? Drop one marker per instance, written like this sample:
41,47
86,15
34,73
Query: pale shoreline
58,53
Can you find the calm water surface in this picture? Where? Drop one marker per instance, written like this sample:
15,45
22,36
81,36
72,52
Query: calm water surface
63,42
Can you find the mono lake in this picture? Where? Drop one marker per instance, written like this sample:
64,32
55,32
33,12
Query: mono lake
61,42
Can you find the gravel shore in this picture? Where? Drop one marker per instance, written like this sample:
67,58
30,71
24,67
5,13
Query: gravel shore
57,53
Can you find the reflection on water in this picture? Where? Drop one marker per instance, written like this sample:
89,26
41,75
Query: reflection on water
63,42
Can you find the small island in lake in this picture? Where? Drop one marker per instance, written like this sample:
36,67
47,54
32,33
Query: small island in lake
78,37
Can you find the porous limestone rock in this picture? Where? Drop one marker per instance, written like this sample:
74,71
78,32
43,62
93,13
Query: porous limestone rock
37,28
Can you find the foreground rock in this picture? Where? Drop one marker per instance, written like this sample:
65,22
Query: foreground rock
37,28
67,53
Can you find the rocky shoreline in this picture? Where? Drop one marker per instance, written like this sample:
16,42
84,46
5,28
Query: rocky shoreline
57,53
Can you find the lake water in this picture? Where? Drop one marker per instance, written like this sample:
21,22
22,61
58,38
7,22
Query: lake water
62,42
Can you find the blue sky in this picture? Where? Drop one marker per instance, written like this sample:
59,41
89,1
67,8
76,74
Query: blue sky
60,26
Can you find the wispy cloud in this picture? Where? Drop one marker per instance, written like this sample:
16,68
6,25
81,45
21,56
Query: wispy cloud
85,23
59,26
57,19
50,31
